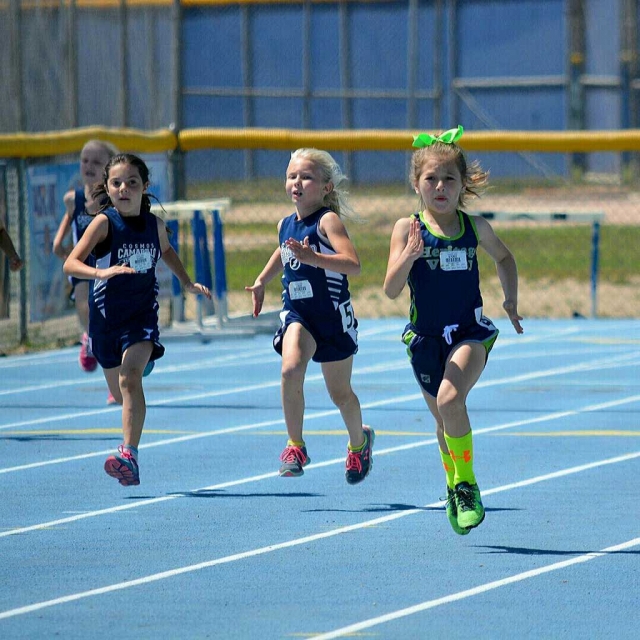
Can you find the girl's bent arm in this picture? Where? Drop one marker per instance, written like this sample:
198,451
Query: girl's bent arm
345,260
65,226
406,247
74,265
172,260
506,268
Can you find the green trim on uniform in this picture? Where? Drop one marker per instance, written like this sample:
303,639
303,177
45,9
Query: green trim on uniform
437,235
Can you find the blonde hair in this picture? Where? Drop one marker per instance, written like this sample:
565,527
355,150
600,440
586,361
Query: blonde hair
109,148
474,179
336,199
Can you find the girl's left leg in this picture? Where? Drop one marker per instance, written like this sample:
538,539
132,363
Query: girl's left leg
134,408
463,369
124,465
337,376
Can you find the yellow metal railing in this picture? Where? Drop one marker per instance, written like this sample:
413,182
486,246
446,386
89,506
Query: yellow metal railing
41,144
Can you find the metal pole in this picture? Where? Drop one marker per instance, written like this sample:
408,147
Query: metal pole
306,65
23,217
628,66
345,77
452,63
123,98
413,55
595,258
247,82
15,68
577,28
176,157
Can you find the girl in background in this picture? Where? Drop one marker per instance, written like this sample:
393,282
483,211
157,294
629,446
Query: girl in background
80,209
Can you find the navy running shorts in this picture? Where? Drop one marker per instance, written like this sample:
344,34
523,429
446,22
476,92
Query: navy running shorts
429,354
333,348
108,344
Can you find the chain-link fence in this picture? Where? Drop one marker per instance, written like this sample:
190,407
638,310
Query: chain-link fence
347,65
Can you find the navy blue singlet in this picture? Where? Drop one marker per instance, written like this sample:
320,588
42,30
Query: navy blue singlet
445,282
319,296
134,242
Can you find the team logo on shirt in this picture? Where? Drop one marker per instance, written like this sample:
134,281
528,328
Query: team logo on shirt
288,258
140,255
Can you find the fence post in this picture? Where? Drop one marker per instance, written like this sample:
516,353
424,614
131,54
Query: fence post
595,258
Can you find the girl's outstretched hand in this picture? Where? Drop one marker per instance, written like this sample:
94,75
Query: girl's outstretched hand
197,288
510,307
257,296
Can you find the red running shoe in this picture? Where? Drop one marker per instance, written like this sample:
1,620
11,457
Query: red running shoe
123,467
87,360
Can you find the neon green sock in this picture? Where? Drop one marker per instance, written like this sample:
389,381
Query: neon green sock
461,452
449,468
293,443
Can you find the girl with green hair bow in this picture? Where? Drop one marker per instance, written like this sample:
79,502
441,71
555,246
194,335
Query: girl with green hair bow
448,339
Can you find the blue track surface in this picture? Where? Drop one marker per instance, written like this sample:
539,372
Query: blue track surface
213,544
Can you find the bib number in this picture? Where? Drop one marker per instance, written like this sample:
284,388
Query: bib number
299,289
347,315
141,262
453,260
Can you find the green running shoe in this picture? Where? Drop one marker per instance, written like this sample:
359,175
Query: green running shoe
469,505
452,513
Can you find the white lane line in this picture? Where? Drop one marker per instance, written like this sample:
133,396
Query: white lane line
592,365
468,593
232,358
404,447
332,533
199,365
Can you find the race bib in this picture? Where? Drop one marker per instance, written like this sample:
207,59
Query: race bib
141,262
300,289
453,260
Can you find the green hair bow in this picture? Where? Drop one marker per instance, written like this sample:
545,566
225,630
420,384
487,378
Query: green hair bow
448,137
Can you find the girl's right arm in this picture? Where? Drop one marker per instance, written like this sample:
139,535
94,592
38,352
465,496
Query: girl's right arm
65,224
74,265
270,271
406,247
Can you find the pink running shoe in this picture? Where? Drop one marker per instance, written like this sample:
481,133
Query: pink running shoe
123,467
87,360
293,461
111,399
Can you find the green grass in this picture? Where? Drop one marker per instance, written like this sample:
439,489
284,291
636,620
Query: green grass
554,253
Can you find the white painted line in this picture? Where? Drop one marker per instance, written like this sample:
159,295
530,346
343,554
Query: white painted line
404,447
599,364
164,575
468,593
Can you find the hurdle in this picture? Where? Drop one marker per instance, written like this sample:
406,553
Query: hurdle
595,218
195,212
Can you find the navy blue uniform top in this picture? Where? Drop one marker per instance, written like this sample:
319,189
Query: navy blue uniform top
80,220
445,282
320,296
132,241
